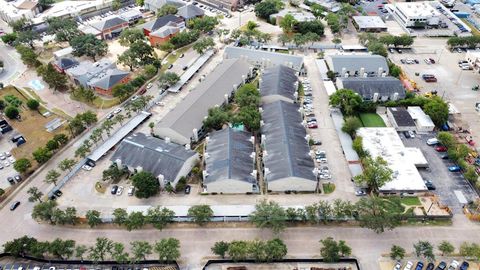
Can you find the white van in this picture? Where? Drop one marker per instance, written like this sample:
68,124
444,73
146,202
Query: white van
432,141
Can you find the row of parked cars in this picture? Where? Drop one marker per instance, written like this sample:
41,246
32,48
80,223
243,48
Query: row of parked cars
118,190
308,105
454,265
443,153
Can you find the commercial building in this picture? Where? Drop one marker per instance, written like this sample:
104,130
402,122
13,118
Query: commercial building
132,16
264,59
166,160
110,27
386,143
374,88
358,65
299,16
63,64
369,23
287,163
473,58
11,11
160,22
190,11
63,53
73,9
423,122
416,14
100,76
184,123
400,119
155,5
278,83
163,34
229,159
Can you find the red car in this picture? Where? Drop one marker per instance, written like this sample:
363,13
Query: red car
313,125
441,148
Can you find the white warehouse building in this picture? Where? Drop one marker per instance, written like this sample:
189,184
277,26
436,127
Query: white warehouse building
423,122
416,14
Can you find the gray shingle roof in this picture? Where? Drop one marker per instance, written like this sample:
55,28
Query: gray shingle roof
229,156
167,30
160,22
278,80
66,63
285,143
190,11
367,87
402,117
353,63
260,57
110,79
109,23
189,114
153,155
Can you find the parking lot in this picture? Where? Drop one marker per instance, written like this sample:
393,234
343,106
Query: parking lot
446,182
6,164
42,266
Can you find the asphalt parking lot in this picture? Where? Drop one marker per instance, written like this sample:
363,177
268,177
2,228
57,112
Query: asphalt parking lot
446,182
371,7
7,167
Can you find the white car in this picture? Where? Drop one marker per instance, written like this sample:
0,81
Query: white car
119,190
11,159
432,141
427,61
453,265
117,110
149,85
2,157
86,167
8,154
408,266
131,191
134,98
6,163
160,103
412,134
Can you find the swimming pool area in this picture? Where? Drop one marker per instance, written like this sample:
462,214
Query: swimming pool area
36,85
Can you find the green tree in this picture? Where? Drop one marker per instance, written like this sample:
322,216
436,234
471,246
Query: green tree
217,117
220,248
470,250
284,38
102,247
9,38
66,164
347,100
53,78
70,215
93,218
64,29
62,249
376,173
200,214
266,8
315,26
130,36
11,112
80,251
52,145
22,165
27,37
119,254
61,138
44,211
330,251
203,24
397,253
247,95
269,214
446,139
372,214
250,117
135,220
120,216
168,249
257,251
287,23
146,185
168,79
160,217
21,247
28,56
35,194
377,48
357,145
446,248
149,71
471,174
88,45
33,104
437,109
52,177
140,250
275,249
167,9
351,124
113,173
203,45
424,249
116,5
238,250
138,54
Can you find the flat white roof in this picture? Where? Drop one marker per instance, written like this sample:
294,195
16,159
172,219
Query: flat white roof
420,117
63,52
70,8
386,142
417,9
329,87
415,155
369,22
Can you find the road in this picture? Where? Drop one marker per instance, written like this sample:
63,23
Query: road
13,65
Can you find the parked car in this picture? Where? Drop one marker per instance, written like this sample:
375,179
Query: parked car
419,266
119,190
408,266
114,189
406,134
431,60
170,66
455,168
362,192
117,110
432,141
58,193
312,125
134,98
109,116
14,205
10,180
188,188
440,148
397,266
453,265
464,265
86,167
17,178
444,156
429,184
317,142
131,191
441,266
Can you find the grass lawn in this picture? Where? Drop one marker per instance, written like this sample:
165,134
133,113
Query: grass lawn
371,120
98,102
328,188
394,205
32,127
410,201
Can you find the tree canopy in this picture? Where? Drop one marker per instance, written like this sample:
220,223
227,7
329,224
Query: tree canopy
347,100
88,45
146,184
